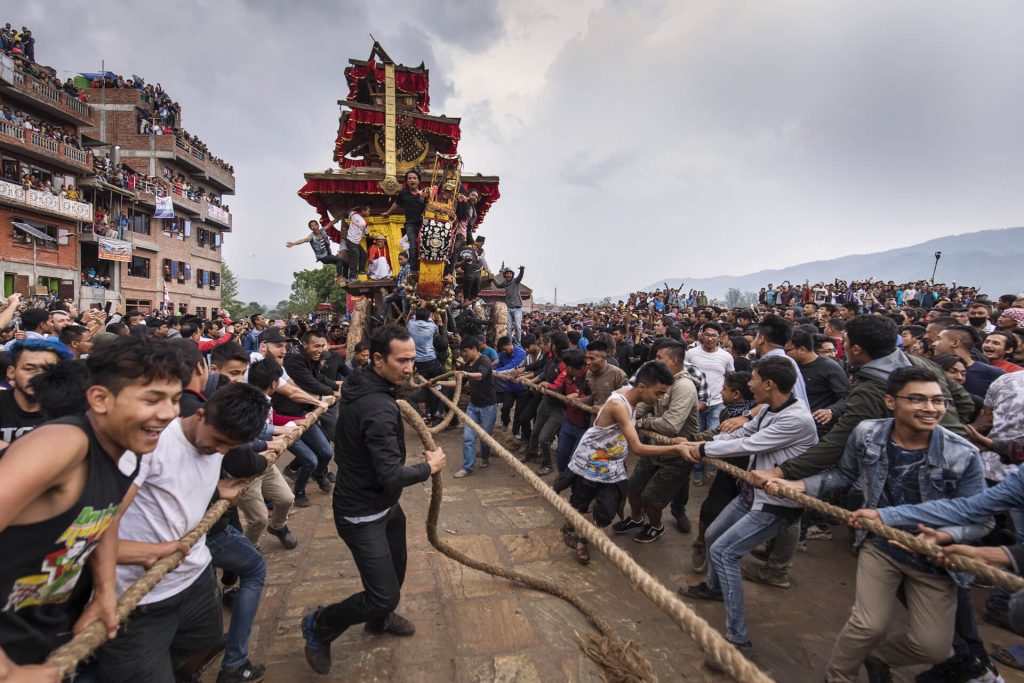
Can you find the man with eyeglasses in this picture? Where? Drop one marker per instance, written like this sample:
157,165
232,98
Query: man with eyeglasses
903,460
714,362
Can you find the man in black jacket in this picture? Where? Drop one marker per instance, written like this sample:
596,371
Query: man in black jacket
370,452
305,368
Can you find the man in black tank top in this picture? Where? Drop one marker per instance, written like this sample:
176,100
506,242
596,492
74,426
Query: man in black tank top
61,499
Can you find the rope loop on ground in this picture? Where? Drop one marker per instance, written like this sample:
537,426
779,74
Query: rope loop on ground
708,638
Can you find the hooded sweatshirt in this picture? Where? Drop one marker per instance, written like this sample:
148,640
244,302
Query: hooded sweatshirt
370,449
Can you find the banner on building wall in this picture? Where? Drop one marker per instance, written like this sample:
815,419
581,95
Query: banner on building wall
114,250
164,208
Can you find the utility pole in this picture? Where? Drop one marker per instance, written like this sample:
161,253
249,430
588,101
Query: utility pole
556,296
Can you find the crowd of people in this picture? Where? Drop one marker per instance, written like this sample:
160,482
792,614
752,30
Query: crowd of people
57,132
19,43
910,417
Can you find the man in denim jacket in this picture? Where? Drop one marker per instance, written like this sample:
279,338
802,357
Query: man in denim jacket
904,460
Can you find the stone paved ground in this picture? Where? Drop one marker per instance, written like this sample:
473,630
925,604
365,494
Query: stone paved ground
474,627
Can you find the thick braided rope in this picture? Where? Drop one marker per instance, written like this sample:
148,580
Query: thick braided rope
66,658
447,420
709,639
917,544
620,659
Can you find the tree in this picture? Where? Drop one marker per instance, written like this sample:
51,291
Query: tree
734,298
229,291
279,311
252,308
312,287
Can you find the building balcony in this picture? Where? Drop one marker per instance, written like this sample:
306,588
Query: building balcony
217,215
13,194
195,161
55,103
41,148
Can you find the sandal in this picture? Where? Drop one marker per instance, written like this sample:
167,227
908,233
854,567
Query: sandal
569,536
582,552
1010,656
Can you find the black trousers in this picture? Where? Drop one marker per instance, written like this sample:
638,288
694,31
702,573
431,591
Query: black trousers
379,551
519,401
160,636
524,418
340,265
430,369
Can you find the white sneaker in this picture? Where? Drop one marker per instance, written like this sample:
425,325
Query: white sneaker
462,473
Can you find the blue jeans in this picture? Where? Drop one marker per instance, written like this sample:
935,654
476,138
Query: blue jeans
515,319
234,553
706,419
736,532
314,452
485,417
568,439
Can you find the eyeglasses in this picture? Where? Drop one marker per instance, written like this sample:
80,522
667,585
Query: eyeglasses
919,401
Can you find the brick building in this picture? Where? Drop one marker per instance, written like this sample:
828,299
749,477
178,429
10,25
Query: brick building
39,253
174,260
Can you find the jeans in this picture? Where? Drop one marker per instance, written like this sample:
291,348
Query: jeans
233,552
545,429
999,599
706,420
515,319
568,439
378,549
736,532
314,453
159,637
399,299
485,417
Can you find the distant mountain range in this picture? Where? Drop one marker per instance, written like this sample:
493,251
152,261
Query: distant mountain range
265,292
992,260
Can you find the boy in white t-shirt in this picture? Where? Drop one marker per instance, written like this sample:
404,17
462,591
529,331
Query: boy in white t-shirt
180,620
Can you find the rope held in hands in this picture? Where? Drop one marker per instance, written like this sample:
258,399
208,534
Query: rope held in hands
917,544
67,657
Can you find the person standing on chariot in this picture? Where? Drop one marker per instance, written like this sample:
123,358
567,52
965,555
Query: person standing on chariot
411,199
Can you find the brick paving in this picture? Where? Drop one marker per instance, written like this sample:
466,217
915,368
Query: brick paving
475,627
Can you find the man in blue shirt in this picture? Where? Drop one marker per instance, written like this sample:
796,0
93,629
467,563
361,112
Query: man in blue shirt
423,330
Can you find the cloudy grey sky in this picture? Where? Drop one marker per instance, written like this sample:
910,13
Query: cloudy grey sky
635,140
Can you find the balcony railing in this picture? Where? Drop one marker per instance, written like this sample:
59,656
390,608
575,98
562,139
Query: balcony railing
40,140
76,154
12,130
218,214
47,91
52,97
45,201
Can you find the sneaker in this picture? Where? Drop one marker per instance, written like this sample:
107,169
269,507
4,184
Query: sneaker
393,624
543,470
628,524
701,592
318,653
698,482
878,672
683,523
247,673
284,535
649,533
801,546
485,462
323,483
229,595
301,500
765,575
746,649
818,534
965,670
462,473
699,558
